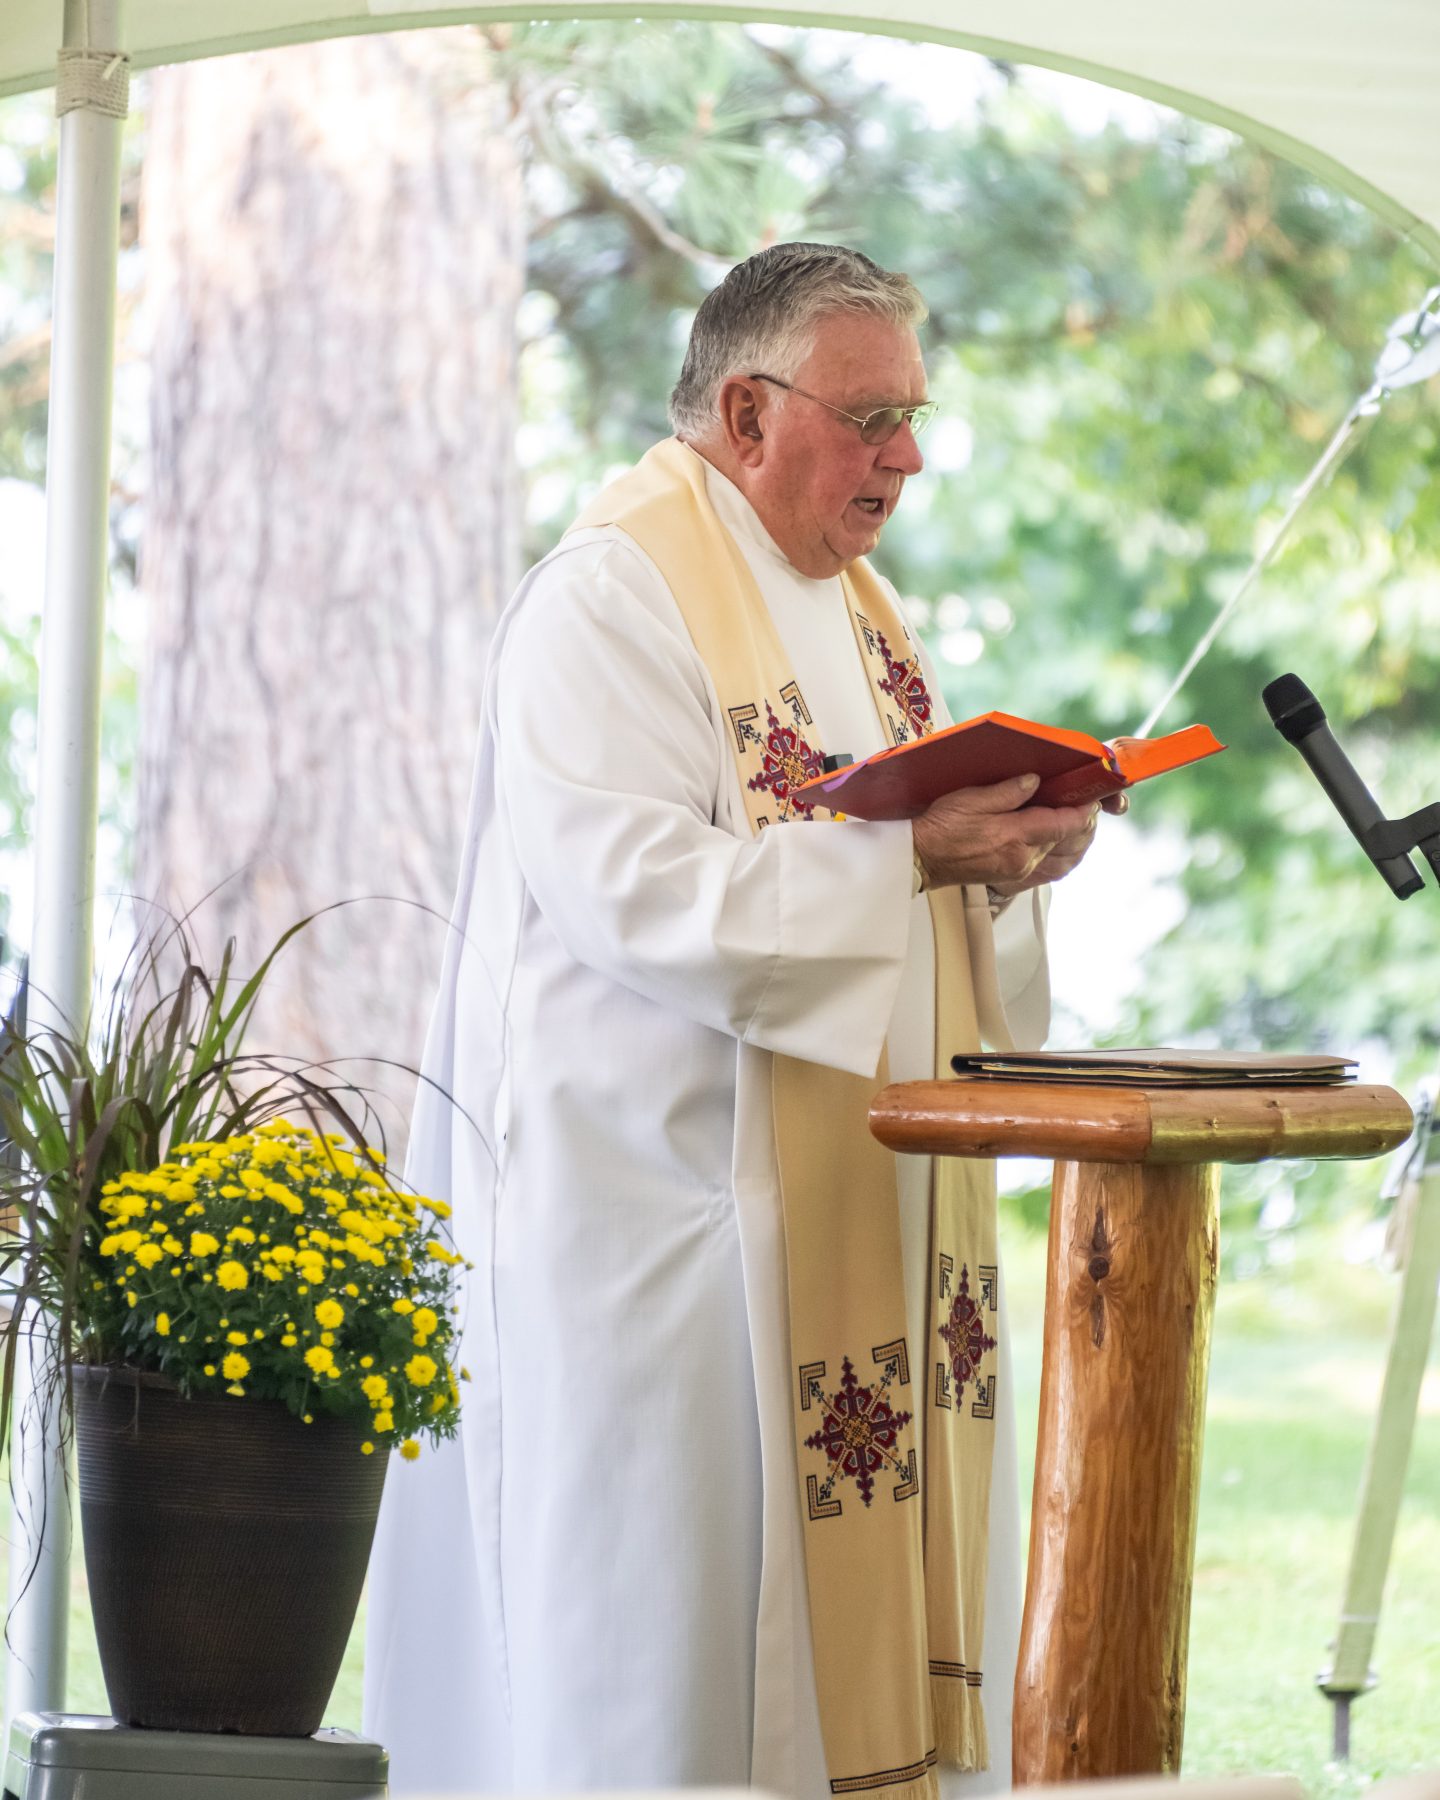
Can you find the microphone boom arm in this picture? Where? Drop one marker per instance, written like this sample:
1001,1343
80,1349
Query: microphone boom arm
1398,837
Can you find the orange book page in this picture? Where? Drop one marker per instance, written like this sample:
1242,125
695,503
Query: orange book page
1140,758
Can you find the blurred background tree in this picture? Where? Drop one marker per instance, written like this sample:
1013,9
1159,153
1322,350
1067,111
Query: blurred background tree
334,252
1142,334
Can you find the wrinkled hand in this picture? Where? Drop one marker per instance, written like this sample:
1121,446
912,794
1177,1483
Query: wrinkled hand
989,836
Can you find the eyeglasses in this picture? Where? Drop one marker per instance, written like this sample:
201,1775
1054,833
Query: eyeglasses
877,427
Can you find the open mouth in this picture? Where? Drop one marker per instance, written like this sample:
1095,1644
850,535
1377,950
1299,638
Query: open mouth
873,508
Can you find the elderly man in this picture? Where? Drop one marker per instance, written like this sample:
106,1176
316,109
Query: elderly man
723,1509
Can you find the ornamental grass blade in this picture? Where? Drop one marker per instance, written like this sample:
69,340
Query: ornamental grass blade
83,1213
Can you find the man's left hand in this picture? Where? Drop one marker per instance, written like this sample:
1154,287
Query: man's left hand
1069,851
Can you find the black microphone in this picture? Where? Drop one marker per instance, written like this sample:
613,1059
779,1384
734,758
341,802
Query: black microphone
1300,719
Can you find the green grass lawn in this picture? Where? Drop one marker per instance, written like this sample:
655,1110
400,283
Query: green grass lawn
1295,1375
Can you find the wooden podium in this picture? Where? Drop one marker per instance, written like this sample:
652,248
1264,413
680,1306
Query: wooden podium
1130,1289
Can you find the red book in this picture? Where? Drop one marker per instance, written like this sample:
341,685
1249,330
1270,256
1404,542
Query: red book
900,783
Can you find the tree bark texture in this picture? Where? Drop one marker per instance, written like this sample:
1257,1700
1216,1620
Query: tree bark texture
334,246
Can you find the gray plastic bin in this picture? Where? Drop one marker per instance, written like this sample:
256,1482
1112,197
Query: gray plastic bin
76,1756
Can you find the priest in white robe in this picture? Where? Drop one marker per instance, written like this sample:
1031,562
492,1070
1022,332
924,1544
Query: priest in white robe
606,1583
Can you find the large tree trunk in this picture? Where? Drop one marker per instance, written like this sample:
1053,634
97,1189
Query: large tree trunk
334,256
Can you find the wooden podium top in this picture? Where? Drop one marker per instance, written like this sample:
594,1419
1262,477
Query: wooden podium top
1168,1124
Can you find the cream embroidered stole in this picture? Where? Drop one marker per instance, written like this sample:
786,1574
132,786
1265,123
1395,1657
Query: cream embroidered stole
897,1593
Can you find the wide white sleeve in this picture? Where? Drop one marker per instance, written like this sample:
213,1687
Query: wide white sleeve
612,764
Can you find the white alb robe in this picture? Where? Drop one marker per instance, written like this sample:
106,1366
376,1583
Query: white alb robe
602,1585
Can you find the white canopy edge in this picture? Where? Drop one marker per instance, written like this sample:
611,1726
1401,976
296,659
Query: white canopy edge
1347,91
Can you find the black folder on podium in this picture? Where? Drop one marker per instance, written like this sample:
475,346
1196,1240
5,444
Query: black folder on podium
1156,1068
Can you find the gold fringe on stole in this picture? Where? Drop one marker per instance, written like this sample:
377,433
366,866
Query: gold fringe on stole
926,1788
959,1723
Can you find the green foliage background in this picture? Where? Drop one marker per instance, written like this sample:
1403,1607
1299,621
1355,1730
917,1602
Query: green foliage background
1142,337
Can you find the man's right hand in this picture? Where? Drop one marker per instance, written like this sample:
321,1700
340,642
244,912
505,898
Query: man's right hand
981,835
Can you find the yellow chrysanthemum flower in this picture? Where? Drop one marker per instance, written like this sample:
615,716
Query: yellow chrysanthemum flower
330,1313
318,1358
425,1321
237,1337
410,1449
367,1449
202,1244
235,1366
148,1255
374,1387
403,1305
232,1275
162,1324
385,1421
420,1371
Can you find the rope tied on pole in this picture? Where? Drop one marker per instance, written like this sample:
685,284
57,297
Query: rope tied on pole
95,81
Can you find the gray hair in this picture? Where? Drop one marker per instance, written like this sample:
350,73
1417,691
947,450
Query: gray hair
764,315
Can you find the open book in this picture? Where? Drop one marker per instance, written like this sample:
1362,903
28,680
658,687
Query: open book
1075,768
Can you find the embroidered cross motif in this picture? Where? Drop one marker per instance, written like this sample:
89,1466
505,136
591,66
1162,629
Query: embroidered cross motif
966,1340
906,687
859,1431
786,760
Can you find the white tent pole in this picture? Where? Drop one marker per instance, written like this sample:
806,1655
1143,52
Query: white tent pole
91,97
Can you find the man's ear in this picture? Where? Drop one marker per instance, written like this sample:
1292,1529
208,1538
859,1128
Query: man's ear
741,405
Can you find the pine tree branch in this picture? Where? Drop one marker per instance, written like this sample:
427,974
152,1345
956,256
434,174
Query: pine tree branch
604,185
794,75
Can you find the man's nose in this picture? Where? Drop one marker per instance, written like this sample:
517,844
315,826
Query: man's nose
902,453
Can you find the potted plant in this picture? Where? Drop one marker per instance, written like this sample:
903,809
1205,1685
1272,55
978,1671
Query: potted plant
241,1314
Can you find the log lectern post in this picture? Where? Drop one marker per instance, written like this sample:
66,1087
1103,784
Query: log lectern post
1100,1688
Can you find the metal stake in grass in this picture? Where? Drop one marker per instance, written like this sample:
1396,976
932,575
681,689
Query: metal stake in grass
1350,1674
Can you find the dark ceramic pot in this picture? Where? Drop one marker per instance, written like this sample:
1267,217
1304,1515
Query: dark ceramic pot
226,1543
